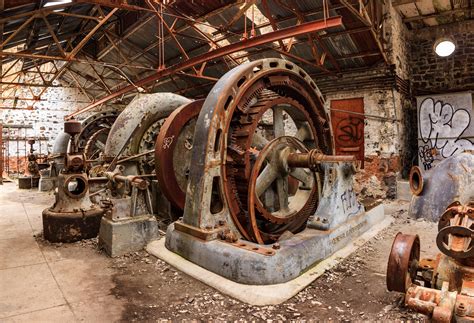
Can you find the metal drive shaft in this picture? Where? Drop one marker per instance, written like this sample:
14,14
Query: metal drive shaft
314,157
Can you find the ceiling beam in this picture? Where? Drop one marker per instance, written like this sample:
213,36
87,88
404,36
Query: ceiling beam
270,37
435,15
84,40
397,3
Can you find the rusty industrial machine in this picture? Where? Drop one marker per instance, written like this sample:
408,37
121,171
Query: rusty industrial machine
31,176
132,198
73,216
440,287
262,188
90,141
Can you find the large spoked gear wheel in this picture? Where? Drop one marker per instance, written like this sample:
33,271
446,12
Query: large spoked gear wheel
403,262
96,144
249,107
93,124
268,107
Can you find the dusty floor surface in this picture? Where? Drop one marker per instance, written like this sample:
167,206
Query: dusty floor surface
139,287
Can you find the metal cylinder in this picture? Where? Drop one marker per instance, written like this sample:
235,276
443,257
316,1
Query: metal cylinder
135,181
416,181
315,157
72,127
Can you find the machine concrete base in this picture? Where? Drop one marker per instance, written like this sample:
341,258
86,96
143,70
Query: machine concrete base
248,263
274,293
27,182
124,236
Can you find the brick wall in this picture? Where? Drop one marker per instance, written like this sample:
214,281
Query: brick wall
46,119
434,74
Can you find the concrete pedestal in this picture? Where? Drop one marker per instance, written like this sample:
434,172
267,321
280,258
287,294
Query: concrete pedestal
131,234
27,182
403,190
46,184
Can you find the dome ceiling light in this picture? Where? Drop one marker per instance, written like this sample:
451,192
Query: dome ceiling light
444,47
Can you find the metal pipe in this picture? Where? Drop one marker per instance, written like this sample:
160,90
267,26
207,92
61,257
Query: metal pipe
135,181
416,181
315,157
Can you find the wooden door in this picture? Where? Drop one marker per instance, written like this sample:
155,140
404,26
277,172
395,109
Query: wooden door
347,118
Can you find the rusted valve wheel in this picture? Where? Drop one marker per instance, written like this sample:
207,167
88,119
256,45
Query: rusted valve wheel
272,205
403,262
173,152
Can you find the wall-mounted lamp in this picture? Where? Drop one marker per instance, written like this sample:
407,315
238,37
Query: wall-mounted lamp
444,47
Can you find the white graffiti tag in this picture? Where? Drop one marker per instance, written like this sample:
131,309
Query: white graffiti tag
167,142
442,127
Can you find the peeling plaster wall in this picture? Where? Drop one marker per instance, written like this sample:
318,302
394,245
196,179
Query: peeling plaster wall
388,119
47,119
381,139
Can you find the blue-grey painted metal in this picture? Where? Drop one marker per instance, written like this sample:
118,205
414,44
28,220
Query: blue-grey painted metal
450,180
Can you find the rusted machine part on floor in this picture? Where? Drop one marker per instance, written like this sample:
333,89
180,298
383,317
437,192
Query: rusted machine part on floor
433,190
264,187
73,216
173,152
442,288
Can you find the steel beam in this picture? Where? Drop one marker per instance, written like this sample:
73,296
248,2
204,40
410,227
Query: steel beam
90,34
270,37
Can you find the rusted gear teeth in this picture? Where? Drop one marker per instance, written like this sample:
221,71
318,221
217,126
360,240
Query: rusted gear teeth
242,153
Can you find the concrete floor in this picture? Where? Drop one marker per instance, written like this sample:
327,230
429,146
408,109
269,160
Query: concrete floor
41,282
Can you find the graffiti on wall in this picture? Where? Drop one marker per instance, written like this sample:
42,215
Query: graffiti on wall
347,118
445,127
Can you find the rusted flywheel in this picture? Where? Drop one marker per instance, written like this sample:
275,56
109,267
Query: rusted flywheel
96,144
264,107
403,262
173,152
275,206
93,124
